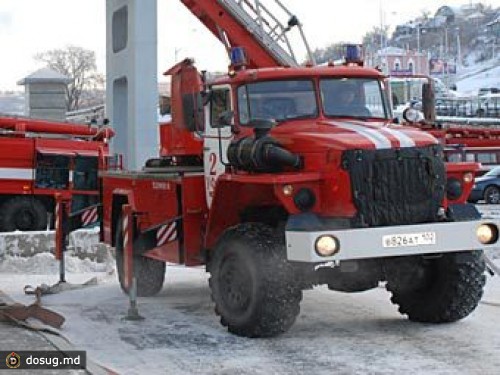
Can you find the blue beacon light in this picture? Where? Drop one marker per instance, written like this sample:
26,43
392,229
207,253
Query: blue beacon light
238,57
353,53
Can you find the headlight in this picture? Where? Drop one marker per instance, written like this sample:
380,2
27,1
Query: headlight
468,177
487,234
288,190
327,246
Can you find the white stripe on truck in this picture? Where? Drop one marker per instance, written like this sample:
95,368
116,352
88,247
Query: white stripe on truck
16,173
374,136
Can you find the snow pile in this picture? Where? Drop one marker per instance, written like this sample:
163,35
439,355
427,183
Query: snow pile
46,264
84,243
84,238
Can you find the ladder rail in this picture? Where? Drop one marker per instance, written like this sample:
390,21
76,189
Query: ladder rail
285,29
278,32
267,29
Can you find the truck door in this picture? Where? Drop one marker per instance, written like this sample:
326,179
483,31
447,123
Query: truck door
217,136
85,180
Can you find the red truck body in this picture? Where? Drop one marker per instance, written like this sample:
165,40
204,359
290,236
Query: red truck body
41,159
264,177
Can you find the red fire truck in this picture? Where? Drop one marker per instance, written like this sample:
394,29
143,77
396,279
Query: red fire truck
472,143
40,159
279,178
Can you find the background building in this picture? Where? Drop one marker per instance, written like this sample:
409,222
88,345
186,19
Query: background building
395,61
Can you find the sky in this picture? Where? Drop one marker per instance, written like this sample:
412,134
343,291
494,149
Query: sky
28,27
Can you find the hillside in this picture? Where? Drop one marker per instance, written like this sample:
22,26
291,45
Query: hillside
482,75
464,35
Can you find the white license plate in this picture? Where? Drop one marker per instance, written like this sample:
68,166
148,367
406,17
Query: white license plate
411,239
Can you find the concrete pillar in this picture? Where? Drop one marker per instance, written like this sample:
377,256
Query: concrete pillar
45,94
132,83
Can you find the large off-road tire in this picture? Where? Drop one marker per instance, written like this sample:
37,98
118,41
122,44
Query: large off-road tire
24,214
149,273
492,195
252,283
448,288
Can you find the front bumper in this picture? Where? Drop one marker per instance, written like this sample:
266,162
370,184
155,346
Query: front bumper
365,243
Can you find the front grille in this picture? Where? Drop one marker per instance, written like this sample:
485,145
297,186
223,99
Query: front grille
396,186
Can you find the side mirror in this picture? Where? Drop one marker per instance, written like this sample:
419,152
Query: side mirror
224,119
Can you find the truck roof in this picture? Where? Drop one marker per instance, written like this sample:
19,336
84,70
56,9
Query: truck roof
277,73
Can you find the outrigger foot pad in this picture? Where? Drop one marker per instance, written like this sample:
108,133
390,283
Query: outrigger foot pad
59,287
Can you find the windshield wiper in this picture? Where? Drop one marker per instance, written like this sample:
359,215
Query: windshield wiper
363,118
366,118
301,117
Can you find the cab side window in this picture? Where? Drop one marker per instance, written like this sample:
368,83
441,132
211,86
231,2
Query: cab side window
85,173
220,102
52,171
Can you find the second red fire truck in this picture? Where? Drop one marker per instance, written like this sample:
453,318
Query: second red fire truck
40,159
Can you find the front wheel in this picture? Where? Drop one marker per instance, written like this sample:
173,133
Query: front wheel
437,290
149,273
492,195
252,283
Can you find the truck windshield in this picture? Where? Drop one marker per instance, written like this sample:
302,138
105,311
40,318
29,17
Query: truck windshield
354,97
277,100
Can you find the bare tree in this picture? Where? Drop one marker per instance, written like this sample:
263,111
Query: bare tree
376,38
332,52
77,63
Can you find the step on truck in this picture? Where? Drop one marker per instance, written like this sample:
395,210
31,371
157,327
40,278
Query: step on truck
279,177
40,159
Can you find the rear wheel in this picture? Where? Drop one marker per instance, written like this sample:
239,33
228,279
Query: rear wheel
252,283
24,214
437,290
492,195
149,273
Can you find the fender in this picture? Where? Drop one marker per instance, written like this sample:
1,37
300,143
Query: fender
110,215
235,193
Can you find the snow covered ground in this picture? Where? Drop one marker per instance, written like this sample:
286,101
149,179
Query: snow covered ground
335,333
478,76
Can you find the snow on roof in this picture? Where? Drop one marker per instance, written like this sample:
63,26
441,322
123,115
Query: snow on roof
45,75
448,10
474,15
496,20
392,51
459,11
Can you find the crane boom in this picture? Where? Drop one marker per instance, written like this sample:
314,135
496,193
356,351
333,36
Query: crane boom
252,25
